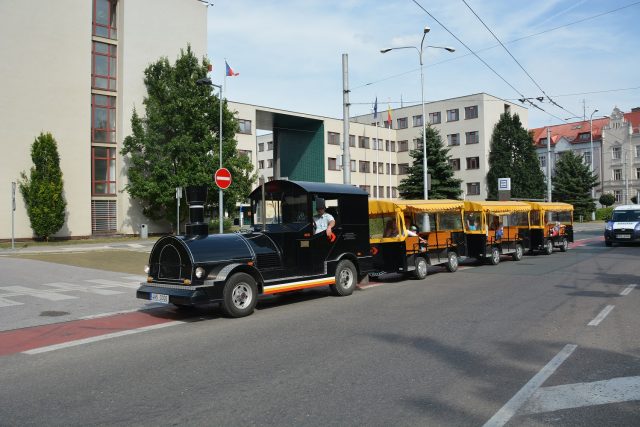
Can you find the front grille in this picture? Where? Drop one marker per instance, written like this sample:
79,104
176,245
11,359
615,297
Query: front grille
171,265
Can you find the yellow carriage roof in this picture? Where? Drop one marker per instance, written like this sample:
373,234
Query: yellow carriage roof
551,206
504,207
382,206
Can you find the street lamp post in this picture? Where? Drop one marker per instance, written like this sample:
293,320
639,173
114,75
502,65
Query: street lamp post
424,119
207,82
593,191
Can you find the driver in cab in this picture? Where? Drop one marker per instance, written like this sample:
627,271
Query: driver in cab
323,221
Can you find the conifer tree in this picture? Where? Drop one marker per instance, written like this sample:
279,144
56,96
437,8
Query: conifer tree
443,183
43,189
573,182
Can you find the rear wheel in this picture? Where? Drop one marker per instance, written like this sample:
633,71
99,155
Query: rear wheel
421,268
494,259
548,247
452,261
564,245
240,295
517,255
346,281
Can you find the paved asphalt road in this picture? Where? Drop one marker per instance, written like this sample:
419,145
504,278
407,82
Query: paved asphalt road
549,340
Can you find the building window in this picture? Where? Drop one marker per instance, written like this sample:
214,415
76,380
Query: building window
417,121
104,18
394,192
471,112
637,173
333,164
352,140
472,137
261,164
103,171
584,137
333,138
103,216
403,168
104,71
453,115
417,143
403,146
353,165
616,153
261,146
390,145
473,162
473,189
366,188
587,158
403,123
453,139
618,195
246,153
103,118
435,118
388,124
269,145
269,163
455,164
637,150
380,167
617,174
245,126
363,142
364,167
543,161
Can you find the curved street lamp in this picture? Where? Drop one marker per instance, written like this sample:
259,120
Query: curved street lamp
424,119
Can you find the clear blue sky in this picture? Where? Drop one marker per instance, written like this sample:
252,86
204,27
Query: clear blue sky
289,53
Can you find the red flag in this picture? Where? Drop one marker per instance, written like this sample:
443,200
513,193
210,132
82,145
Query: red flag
389,115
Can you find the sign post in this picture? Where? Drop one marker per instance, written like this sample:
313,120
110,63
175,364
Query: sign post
504,188
223,181
178,197
13,214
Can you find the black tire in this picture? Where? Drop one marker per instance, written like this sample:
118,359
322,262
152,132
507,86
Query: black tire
421,268
517,255
240,295
608,244
346,279
548,247
452,261
564,245
494,258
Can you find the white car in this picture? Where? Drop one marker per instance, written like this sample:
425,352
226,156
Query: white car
624,225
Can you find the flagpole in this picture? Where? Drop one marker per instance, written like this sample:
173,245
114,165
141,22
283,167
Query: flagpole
389,159
377,161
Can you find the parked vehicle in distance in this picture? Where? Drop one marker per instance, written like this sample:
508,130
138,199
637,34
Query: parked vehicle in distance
495,228
624,225
551,226
281,253
408,235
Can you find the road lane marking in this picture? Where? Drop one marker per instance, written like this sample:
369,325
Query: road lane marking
568,396
511,407
100,338
131,285
51,295
627,290
600,317
8,303
65,287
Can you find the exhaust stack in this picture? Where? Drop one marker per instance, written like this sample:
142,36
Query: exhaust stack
196,198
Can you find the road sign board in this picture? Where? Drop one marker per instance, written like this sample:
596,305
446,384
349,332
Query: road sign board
223,178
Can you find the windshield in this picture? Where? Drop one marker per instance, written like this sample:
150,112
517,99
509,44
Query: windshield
626,216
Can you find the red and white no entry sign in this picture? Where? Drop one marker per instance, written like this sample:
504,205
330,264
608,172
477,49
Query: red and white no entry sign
223,178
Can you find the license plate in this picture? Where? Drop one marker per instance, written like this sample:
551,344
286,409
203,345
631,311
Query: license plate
623,236
164,299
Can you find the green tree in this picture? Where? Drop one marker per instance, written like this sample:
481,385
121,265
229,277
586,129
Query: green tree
443,183
176,143
43,189
573,182
513,155
607,199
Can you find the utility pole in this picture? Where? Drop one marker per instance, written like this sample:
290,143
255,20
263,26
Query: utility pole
548,164
346,158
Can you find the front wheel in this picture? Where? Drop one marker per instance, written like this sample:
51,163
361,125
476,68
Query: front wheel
548,247
494,259
421,268
240,295
517,255
564,245
346,281
452,261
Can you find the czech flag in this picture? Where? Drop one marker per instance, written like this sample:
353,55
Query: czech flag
230,71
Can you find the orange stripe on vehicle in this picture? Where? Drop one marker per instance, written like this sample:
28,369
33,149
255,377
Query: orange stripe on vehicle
296,286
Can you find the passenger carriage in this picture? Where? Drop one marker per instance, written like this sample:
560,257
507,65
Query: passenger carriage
551,226
281,253
438,239
495,228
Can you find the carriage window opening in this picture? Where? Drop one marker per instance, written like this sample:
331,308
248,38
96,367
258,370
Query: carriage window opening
449,221
518,219
383,226
554,216
294,209
535,217
472,221
425,222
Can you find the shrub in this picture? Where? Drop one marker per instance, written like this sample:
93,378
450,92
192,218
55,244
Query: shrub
607,199
214,225
604,213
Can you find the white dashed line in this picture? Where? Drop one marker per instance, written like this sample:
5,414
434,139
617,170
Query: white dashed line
600,317
627,290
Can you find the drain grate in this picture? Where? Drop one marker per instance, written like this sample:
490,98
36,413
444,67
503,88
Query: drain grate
54,313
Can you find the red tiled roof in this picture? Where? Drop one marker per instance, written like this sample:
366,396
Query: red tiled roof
571,131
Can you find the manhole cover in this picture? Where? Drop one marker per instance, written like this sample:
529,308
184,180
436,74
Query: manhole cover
54,313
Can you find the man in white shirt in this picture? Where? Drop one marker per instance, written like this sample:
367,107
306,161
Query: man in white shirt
323,221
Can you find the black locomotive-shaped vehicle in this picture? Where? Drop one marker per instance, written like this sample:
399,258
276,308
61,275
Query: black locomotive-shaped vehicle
283,252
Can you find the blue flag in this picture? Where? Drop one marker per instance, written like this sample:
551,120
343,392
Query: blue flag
375,109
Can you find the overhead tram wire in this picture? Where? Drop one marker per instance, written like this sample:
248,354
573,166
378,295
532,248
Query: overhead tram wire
514,58
509,42
484,62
